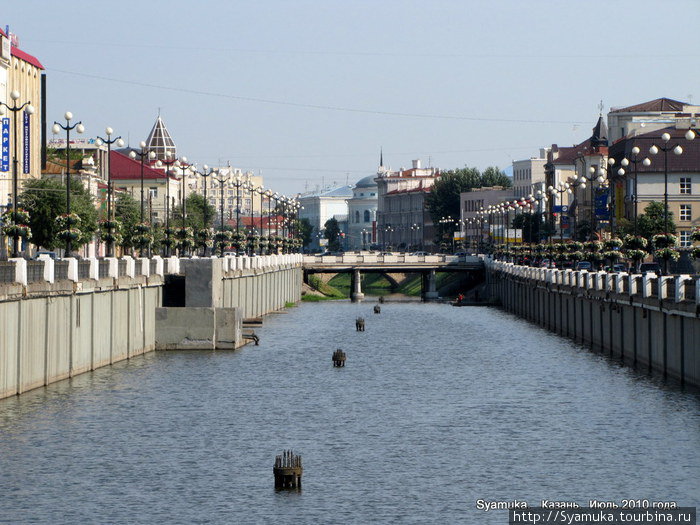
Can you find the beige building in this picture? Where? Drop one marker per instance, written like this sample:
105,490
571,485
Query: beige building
528,174
21,72
650,116
401,209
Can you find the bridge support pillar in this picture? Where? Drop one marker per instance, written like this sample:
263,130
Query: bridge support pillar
356,295
429,286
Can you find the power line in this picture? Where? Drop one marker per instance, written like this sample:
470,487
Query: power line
313,106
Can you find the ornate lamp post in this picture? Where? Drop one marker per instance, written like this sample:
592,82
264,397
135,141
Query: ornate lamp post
169,161
221,179
78,127
110,212
414,228
634,160
677,149
560,190
15,108
599,176
142,155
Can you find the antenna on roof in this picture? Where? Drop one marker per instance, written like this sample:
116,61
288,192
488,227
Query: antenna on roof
600,107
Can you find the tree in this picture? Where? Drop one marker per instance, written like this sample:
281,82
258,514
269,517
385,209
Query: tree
493,176
199,213
652,221
128,212
443,199
332,233
45,199
304,229
533,227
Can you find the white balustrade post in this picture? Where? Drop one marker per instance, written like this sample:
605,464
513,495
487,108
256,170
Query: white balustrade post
72,269
680,287
647,279
130,266
159,265
144,266
113,267
94,272
20,270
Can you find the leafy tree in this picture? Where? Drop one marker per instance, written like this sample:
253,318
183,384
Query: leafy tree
128,212
493,176
533,227
199,213
45,199
332,233
304,229
652,222
443,199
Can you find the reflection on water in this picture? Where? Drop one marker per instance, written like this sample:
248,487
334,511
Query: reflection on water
435,408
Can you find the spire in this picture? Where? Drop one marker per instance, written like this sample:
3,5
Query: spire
381,156
600,134
159,140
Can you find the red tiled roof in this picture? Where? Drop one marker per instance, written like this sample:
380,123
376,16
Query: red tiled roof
659,104
125,168
26,57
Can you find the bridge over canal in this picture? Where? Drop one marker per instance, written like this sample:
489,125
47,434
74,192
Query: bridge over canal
426,265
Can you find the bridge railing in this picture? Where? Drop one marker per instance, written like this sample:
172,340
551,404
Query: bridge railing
676,288
45,269
388,259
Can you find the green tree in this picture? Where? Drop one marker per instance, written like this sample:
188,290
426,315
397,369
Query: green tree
128,212
443,199
304,229
45,199
533,227
652,222
332,233
493,176
199,213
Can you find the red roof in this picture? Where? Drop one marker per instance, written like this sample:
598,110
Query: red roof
125,168
26,57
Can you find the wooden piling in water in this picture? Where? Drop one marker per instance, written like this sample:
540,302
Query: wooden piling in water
288,470
339,358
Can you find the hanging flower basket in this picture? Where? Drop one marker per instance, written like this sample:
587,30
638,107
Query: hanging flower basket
635,255
16,230
142,228
168,242
112,237
695,235
594,246
613,244
67,221
594,256
575,246
110,225
19,217
576,256
72,234
667,254
169,232
695,252
664,240
612,255
142,240
184,234
635,242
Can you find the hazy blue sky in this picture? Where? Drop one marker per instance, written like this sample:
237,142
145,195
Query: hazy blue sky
453,83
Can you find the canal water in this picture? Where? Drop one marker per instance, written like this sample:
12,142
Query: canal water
437,408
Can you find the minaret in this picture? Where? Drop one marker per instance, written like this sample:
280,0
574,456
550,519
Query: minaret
160,142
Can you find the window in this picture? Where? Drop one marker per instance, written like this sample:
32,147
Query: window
153,193
686,212
372,194
366,215
685,238
357,216
685,186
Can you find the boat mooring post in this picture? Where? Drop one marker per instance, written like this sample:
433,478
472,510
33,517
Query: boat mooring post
288,470
339,358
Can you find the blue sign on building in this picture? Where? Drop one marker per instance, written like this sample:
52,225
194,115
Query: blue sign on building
27,144
602,211
5,144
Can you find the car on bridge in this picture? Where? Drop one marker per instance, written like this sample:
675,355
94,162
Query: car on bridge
420,253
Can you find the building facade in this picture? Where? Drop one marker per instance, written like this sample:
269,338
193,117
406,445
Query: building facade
401,206
650,116
320,206
362,215
529,174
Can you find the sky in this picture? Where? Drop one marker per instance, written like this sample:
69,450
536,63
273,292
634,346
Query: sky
307,92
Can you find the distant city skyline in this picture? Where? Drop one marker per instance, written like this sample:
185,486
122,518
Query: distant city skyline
306,93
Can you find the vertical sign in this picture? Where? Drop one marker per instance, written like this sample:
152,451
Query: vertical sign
5,144
27,143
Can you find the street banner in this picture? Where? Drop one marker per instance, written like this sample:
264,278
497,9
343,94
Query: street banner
5,159
27,144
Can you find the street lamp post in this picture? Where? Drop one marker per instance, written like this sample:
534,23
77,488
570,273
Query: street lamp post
142,155
78,126
221,179
560,190
110,212
677,149
592,176
634,160
15,108
167,162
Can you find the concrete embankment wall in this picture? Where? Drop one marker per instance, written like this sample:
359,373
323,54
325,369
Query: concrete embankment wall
52,331
649,323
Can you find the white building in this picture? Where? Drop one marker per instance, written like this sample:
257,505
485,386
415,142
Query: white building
362,214
528,174
649,116
318,207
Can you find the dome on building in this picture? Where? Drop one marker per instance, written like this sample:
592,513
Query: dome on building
366,182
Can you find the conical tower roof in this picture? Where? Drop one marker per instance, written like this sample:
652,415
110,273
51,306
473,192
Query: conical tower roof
600,134
160,142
